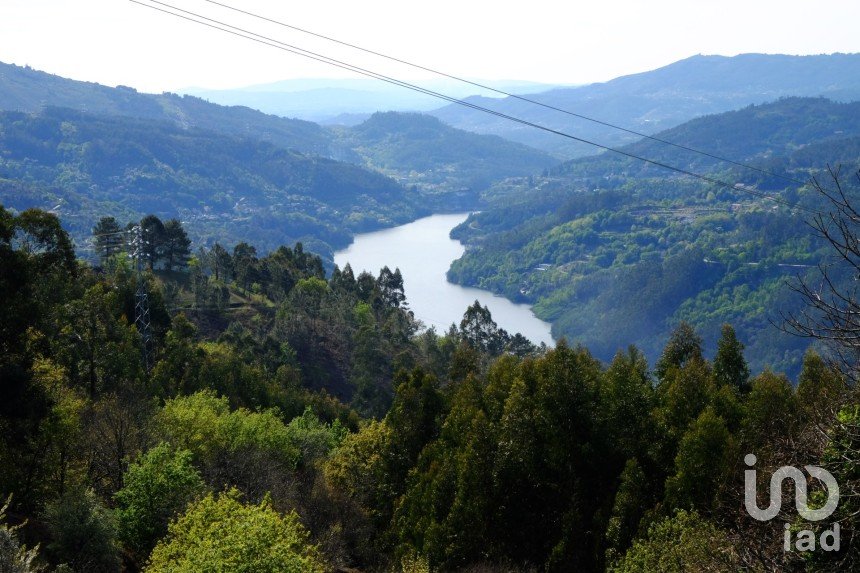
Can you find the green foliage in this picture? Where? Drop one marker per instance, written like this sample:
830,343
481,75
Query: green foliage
113,164
579,240
680,544
83,533
157,487
223,534
314,439
448,165
204,424
706,448
627,511
730,367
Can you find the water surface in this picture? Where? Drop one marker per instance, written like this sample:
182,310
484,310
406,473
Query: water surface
423,251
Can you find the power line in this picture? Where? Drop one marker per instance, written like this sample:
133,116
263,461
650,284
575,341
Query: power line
507,94
249,35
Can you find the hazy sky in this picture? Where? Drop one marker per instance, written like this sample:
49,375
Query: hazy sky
119,42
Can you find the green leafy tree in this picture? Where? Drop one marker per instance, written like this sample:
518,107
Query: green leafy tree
480,330
820,388
705,455
626,401
83,533
245,265
684,345
156,487
223,534
222,263
730,367
628,508
683,543
391,287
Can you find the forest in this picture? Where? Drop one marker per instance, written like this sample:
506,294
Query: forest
286,420
578,239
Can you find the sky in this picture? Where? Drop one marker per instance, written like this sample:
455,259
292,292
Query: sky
119,42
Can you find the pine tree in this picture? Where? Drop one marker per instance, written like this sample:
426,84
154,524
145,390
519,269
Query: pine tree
176,247
730,367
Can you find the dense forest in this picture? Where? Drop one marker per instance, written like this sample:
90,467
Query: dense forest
582,237
225,188
286,421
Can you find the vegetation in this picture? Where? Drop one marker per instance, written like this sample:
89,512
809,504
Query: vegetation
578,241
309,427
451,167
661,99
221,187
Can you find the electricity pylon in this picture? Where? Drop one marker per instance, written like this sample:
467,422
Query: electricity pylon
141,298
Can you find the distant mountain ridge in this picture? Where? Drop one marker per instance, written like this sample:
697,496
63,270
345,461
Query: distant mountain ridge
480,159
28,90
323,100
656,100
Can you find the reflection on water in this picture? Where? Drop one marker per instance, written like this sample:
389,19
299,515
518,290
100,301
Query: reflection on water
423,252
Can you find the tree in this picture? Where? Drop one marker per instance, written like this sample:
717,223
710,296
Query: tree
480,330
157,487
832,311
83,533
245,265
152,232
730,367
222,263
109,238
223,534
391,287
684,345
679,544
176,246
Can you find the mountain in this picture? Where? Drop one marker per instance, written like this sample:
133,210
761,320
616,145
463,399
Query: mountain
614,251
28,90
468,163
656,100
224,188
450,167
324,100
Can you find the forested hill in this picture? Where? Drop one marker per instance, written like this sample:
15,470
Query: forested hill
29,90
285,422
762,134
579,241
450,166
659,99
224,188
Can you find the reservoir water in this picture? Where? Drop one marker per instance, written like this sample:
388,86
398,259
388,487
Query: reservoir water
423,251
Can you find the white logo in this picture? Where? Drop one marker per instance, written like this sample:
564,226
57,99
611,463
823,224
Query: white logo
805,538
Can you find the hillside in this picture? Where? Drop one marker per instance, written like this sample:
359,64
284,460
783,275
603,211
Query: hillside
28,90
450,166
656,100
580,240
224,188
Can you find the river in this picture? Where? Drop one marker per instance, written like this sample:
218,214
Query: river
423,251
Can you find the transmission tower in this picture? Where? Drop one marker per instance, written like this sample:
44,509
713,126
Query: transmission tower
141,298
